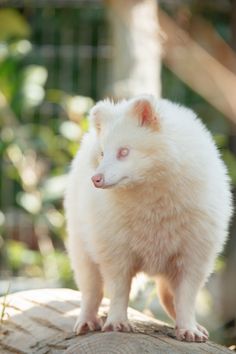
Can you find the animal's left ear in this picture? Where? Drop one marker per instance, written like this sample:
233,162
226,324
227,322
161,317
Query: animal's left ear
95,118
143,109
100,114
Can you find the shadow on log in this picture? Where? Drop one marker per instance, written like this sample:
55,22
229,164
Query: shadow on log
41,321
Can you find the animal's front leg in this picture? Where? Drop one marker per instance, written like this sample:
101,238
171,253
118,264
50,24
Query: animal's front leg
90,283
118,285
185,298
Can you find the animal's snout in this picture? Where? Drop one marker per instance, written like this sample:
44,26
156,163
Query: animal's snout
98,180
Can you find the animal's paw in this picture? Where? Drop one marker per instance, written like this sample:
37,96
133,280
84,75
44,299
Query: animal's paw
83,326
117,326
197,334
203,330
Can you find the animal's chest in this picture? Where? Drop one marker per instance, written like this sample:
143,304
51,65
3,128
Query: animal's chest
153,237
143,232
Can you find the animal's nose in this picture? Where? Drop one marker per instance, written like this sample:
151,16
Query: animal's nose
98,180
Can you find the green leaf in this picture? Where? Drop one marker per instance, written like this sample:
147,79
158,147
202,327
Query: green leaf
12,24
230,162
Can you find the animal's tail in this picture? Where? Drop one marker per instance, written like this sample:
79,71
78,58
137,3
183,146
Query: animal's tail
166,296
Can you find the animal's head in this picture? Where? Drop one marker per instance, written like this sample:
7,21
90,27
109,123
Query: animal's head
127,135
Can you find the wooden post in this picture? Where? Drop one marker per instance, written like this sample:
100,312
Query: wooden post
41,321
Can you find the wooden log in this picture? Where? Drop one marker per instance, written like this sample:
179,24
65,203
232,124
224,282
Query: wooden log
41,321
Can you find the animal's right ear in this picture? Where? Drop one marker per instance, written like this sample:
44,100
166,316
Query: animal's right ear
143,110
100,114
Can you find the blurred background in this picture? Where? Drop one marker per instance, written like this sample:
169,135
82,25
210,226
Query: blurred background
56,59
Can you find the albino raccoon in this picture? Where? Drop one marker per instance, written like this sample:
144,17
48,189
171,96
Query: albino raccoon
147,192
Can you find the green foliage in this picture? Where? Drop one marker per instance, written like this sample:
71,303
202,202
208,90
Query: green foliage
230,161
22,260
12,25
34,156
63,264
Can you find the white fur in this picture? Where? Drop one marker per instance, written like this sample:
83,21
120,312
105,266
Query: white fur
164,210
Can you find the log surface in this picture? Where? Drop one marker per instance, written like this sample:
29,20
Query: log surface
41,321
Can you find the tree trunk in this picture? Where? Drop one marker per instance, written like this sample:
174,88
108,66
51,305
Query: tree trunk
228,284
136,41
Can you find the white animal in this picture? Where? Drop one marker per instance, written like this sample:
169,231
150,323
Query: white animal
147,192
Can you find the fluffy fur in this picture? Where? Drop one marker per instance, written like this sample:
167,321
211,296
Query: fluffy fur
163,209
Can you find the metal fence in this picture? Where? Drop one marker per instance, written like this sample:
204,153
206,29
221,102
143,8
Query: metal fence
72,42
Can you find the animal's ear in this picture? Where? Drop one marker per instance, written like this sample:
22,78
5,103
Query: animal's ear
95,118
98,115
143,109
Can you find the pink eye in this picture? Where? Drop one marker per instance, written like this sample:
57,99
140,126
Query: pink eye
122,152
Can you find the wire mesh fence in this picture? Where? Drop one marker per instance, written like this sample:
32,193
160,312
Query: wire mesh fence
68,53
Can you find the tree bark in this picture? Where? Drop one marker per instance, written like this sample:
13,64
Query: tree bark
228,284
41,321
135,35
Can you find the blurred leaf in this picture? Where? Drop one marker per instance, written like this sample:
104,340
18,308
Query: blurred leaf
35,74
64,269
3,51
77,106
14,153
21,47
73,148
71,131
2,218
84,124
12,24
55,218
54,188
30,202
230,161
34,78
221,140
220,264
19,255
7,134
56,96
